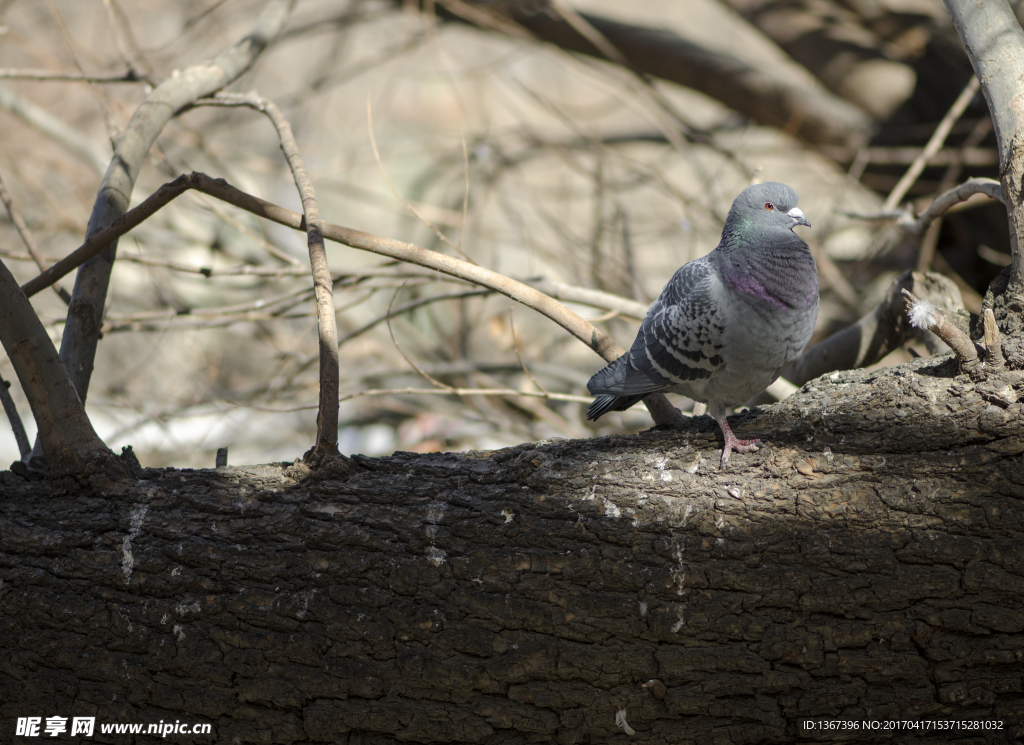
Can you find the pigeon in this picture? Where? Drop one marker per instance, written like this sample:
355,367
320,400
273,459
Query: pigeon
727,324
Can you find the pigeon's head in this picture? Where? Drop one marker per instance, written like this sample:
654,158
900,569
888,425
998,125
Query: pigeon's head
765,206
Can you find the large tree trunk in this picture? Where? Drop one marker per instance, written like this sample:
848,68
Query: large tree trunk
866,565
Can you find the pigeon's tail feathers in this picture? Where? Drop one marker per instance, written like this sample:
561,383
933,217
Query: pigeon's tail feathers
617,387
603,404
608,379
620,378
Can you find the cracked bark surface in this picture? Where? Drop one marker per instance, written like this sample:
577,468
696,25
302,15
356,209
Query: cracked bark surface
866,564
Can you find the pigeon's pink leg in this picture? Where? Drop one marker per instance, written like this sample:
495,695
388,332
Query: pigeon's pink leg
731,441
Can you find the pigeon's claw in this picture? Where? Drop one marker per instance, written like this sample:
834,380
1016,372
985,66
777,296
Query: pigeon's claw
734,443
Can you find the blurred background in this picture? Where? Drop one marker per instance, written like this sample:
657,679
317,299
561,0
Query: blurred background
509,133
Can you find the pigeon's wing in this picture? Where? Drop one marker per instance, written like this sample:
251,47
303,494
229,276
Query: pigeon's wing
679,341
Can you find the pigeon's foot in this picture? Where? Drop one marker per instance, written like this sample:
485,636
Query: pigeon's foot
734,443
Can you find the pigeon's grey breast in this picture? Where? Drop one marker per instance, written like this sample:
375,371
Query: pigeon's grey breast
770,297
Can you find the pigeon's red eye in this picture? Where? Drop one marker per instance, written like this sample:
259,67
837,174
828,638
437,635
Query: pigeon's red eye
769,206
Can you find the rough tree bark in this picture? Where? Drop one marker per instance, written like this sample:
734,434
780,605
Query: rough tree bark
865,565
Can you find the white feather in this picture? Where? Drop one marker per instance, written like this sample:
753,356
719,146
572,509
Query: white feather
923,315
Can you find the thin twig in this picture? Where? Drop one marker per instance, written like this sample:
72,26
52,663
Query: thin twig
933,146
515,348
943,202
426,376
28,240
384,173
409,307
14,73
930,240
939,206
465,191
24,447
289,299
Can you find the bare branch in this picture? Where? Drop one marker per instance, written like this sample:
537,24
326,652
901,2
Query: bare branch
930,240
68,439
407,252
939,206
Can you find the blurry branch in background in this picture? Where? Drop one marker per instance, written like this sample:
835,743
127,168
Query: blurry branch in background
262,309
408,206
444,390
801,107
71,139
66,76
842,45
935,144
586,296
449,391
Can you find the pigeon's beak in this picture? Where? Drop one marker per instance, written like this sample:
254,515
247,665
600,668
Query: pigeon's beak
798,214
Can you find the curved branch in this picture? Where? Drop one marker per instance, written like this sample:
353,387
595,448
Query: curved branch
327,325
941,204
661,410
